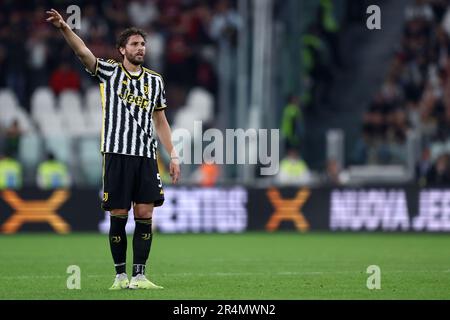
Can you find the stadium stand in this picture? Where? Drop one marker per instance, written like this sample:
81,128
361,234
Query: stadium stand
414,97
57,105
188,43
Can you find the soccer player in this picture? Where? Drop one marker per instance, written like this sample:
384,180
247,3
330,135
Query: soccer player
133,97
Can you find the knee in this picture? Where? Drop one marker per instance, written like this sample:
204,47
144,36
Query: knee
119,212
141,213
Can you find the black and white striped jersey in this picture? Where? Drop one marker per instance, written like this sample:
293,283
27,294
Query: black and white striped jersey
128,102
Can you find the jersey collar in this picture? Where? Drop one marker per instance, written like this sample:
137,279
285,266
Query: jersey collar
129,75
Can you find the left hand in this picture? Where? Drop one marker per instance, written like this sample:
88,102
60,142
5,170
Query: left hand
174,169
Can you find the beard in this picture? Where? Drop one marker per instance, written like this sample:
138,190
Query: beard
134,59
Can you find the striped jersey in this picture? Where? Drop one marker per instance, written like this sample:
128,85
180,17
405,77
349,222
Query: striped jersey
128,102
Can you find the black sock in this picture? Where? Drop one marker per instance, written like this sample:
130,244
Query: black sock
142,242
118,242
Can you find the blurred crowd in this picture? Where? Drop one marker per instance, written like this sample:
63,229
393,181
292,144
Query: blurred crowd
414,98
182,40
321,60
321,56
184,37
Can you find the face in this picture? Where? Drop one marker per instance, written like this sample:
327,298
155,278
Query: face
134,51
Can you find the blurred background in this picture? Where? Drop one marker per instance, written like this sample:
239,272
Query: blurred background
352,105
364,149
355,107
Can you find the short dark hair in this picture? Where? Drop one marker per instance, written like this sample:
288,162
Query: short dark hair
50,156
123,37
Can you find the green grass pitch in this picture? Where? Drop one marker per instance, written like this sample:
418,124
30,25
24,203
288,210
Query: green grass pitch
237,266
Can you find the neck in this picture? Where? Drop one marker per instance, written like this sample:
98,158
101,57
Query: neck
131,67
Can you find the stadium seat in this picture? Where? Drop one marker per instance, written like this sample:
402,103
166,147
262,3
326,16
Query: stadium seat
184,119
93,116
72,119
30,150
8,110
44,112
42,103
50,125
93,124
25,123
7,97
61,146
201,103
437,149
93,99
447,146
91,160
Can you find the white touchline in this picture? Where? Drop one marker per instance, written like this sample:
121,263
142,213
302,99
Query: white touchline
228,274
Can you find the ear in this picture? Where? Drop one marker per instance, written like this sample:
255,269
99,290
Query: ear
122,51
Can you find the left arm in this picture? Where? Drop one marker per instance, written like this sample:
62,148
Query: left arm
165,136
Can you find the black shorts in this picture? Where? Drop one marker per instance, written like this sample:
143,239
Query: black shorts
128,179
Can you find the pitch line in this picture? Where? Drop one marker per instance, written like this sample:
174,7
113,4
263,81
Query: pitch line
224,274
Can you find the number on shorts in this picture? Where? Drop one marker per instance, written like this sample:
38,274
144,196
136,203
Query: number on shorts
159,179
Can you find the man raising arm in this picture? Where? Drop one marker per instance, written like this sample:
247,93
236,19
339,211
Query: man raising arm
132,98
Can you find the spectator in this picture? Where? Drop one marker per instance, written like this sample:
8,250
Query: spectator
361,150
64,78
396,136
446,21
116,13
142,12
201,22
443,126
293,170
93,24
10,173
17,54
419,10
12,139
207,174
37,61
428,123
156,47
292,128
439,8
206,77
180,61
329,27
225,24
317,68
3,64
424,166
334,176
53,174
439,174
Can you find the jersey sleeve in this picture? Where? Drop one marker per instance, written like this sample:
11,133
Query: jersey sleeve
104,69
161,102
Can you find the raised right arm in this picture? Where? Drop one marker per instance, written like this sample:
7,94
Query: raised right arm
75,42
